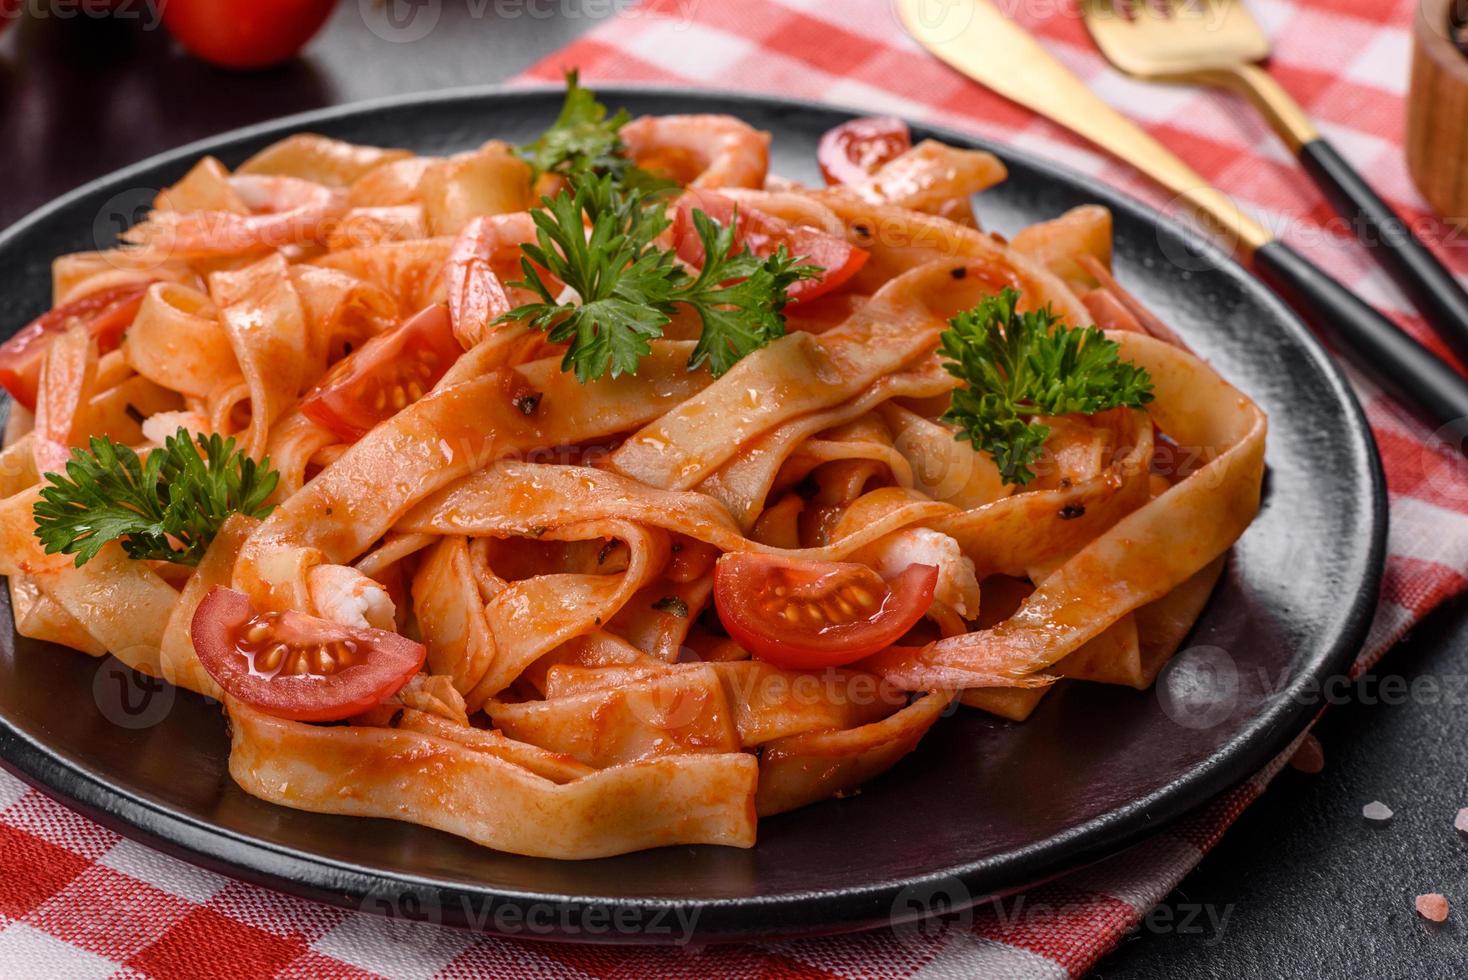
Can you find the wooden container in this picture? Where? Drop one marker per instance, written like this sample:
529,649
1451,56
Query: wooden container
1437,110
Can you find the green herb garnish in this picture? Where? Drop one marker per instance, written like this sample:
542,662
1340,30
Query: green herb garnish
583,140
629,288
1017,366
167,508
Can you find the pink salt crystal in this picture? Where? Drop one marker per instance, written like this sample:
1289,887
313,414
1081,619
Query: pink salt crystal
1460,822
1309,757
1432,907
1377,812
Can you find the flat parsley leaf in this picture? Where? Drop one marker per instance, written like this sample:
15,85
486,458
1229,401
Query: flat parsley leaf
629,288
585,139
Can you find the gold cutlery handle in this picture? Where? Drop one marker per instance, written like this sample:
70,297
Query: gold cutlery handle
977,39
1268,96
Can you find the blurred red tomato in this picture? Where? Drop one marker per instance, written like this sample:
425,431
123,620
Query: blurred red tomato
245,33
10,11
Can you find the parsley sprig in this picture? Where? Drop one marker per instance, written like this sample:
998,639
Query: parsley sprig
165,508
629,288
1017,366
586,139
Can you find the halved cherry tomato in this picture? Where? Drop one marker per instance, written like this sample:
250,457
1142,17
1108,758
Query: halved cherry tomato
854,150
107,313
803,615
295,666
245,33
384,375
764,233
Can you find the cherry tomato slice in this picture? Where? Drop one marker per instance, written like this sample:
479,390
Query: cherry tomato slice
295,666
245,33
764,233
853,151
803,615
385,375
107,313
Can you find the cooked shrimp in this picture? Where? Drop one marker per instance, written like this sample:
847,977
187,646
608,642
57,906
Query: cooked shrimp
161,425
346,596
284,211
700,150
957,585
476,294
935,178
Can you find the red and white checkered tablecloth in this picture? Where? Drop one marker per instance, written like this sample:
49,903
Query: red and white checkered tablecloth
79,901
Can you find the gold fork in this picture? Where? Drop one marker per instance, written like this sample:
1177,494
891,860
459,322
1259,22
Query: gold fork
1217,43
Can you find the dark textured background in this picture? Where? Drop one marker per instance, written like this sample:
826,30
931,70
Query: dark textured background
1307,887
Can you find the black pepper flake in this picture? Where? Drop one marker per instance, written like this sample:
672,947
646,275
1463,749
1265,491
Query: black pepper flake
328,512
528,402
672,605
606,550
396,719
676,547
538,530
862,231
961,272
598,620
1071,511
133,413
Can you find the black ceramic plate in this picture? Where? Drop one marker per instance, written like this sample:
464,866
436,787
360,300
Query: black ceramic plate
980,808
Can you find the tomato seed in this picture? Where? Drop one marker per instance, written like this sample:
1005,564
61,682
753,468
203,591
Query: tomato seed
271,658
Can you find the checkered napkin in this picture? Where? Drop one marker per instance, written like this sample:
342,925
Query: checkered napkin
78,901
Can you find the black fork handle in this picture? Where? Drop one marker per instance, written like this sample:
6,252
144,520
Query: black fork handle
1430,286
1401,365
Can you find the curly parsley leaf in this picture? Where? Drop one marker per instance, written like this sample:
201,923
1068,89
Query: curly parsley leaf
1017,366
165,508
629,288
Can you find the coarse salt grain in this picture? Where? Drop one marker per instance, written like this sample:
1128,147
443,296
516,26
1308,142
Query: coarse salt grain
1460,822
1309,757
1377,812
1432,907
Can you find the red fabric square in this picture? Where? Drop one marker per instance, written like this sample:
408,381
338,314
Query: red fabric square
821,44
312,965
203,941
109,913
34,870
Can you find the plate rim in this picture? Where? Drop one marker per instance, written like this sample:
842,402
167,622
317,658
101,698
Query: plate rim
786,915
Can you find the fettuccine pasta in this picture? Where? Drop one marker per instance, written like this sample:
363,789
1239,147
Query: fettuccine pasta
574,617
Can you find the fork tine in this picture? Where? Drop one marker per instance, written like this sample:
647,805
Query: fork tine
1104,10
